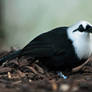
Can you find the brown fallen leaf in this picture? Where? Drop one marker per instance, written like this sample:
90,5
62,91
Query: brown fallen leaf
5,69
76,69
21,74
17,82
39,69
32,69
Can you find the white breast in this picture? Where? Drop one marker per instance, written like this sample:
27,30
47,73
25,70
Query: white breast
81,42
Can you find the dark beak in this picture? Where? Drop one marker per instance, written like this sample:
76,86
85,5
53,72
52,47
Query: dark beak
75,30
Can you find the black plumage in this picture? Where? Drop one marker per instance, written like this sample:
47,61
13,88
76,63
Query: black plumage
55,49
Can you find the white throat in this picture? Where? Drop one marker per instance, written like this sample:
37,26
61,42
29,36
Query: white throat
81,42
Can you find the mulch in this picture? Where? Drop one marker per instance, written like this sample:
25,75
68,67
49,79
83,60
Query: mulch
20,75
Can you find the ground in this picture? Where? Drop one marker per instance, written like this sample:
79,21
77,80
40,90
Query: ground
19,75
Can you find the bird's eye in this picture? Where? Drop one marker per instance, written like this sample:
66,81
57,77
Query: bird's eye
88,27
81,28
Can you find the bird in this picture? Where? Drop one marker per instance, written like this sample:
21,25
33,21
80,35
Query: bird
59,49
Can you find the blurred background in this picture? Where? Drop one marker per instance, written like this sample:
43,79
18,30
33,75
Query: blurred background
22,20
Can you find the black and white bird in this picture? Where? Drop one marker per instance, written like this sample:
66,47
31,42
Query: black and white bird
59,49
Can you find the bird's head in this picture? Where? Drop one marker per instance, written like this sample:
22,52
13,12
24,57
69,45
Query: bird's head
82,26
79,33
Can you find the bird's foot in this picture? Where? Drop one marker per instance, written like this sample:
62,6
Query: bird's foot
61,75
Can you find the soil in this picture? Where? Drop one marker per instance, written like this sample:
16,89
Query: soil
20,75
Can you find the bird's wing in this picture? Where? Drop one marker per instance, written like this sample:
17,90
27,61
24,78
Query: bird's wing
46,44
39,47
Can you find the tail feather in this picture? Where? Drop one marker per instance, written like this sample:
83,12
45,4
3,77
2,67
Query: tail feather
10,56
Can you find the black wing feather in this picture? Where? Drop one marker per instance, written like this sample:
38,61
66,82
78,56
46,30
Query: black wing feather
46,44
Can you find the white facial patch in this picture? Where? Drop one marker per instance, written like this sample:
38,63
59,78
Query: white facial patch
81,42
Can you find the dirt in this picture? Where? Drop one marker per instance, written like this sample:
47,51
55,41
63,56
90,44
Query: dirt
20,75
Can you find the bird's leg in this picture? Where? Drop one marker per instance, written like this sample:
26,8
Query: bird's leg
61,75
